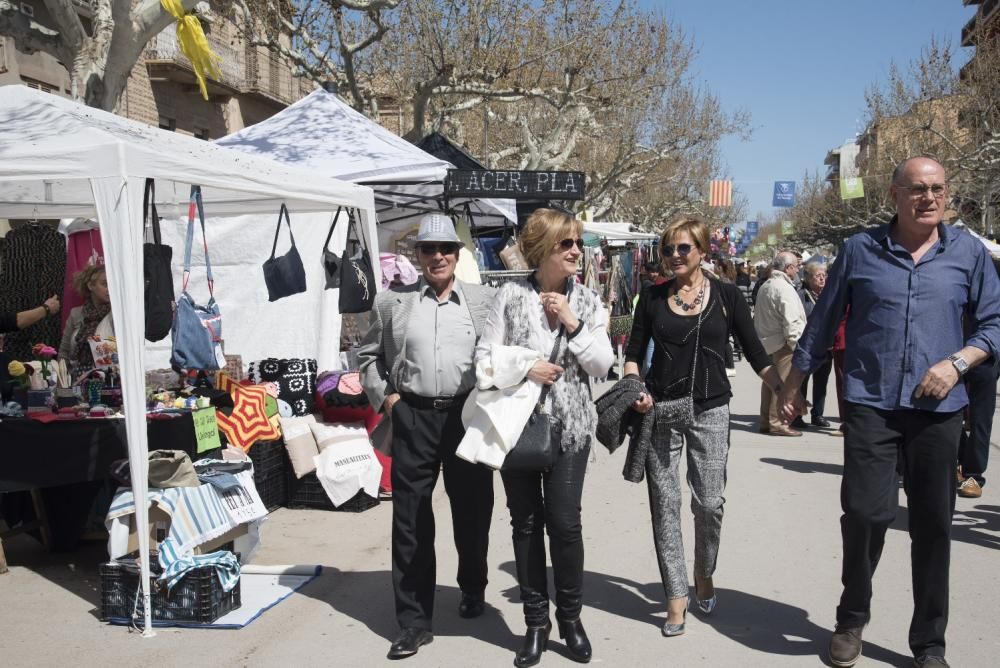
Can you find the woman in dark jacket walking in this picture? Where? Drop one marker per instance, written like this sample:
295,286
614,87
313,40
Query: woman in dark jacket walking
691,318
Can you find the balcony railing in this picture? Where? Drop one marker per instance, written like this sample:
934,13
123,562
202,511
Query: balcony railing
272,78
164,47
985,15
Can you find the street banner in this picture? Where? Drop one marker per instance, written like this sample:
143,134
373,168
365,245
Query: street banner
752,227
720,193
787,227
772,240
851,185
784,194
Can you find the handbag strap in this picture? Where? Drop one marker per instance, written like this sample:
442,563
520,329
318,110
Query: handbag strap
353,225
697,342
149,207
283,213
552,360
196,206
333,225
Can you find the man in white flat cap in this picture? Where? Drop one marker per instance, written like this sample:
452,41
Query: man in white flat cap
417,365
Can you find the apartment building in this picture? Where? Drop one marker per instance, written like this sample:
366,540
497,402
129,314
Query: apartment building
162,90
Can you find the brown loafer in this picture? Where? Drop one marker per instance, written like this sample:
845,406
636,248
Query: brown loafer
785,431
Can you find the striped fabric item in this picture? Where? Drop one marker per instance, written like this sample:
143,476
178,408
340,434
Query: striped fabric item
225,563
197,515
720,193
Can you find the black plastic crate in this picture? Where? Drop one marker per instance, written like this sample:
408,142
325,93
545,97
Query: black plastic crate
273,489
269,457
308,492
197,599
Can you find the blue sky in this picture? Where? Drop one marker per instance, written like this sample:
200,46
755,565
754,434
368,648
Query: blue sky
801,68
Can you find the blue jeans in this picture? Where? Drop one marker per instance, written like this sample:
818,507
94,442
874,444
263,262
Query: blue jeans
648,360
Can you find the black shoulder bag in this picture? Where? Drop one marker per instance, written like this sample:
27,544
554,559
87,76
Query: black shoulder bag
678,414
357,278
331,261
537,447
284,276
159,283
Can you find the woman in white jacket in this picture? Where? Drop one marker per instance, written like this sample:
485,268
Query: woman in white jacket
533,315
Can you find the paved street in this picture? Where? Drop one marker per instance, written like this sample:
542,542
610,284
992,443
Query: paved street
777,581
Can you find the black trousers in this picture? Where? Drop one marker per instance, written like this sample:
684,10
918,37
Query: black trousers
820,379
927,444
423,444
974,447
548,500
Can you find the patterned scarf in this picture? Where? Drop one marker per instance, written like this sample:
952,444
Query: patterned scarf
93,314
569,398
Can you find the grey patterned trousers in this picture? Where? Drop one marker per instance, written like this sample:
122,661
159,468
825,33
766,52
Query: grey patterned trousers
707,451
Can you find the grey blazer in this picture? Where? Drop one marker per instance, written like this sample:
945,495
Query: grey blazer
381,354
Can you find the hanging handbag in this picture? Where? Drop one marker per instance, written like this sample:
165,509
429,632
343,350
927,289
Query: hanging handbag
357,278
284,276
537,447
678,414
159,282
331,261
197,329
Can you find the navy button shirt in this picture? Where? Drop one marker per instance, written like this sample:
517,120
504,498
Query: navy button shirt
904,318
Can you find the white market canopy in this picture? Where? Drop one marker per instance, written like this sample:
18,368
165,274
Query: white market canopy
59,159
618,232
325,135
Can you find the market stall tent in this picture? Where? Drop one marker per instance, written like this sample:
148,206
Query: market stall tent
59,159
324,134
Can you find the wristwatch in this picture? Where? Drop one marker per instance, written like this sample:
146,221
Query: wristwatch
960,364
45,306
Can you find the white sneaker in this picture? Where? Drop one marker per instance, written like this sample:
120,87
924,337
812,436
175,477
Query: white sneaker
731,373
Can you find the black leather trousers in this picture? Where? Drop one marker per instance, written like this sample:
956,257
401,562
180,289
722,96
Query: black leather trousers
548,500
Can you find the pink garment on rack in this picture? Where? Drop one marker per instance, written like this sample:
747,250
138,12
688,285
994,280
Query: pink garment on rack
80,248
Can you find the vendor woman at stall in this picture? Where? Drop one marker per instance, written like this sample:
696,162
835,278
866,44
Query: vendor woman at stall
91,319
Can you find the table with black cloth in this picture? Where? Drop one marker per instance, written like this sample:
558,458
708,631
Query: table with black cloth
70,460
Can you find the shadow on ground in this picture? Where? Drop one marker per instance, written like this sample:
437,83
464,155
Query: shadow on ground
760,624
801,466
366,597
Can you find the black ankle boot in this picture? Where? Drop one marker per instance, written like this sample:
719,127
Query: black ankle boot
536,640
576,640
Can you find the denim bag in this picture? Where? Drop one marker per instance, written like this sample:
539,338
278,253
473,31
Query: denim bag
197,329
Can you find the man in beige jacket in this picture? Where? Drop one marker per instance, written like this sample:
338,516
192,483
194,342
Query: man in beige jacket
779,319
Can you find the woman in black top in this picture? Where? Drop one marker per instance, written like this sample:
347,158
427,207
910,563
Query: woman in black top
690,308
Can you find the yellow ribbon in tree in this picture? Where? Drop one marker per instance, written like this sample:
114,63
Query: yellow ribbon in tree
194,44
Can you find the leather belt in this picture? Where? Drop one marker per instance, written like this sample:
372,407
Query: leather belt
435,403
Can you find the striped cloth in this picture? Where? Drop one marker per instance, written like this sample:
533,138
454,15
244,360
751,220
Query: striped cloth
197,515
720,193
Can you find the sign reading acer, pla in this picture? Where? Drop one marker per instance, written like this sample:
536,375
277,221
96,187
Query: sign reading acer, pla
512,184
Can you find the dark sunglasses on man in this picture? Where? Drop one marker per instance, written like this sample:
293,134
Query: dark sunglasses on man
682,249
445,248
567,244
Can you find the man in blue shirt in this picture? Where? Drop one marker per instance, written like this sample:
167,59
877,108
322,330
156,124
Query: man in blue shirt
908,285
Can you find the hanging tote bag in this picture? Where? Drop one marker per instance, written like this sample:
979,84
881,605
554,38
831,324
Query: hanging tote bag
159,283
331,261
197,330
285,275
357,278
537,448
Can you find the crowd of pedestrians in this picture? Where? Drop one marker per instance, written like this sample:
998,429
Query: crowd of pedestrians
907,318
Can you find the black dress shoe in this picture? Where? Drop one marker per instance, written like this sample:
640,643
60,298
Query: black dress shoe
408,642
576,640
471,607
536,641
798,423
821,422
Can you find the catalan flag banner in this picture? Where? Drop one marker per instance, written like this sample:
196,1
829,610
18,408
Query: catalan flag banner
720,193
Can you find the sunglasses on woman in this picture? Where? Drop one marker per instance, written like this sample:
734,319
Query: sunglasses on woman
567,244
682,249
432,249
